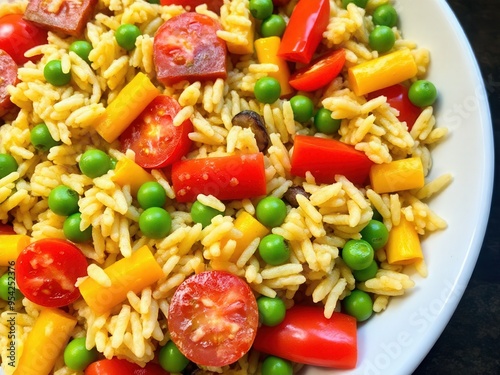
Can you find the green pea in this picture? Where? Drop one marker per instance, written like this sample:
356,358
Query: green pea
94,163
377,215
155,222
7,165
325,123
375,233
271,310
358,304
82,48
271,211
154,1
63,200
267,90
302,107
366,273
72,231
203,214
8,290
274,25
77,357
274,250
171,359
422,93
357,254
261,9
151,194
381,38
126,36
273,365
359,3
54,74
385,15
41,138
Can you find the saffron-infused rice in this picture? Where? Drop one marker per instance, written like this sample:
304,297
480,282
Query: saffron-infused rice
315,230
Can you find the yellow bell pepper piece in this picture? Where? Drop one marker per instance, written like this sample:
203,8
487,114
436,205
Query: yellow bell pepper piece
251,229
128,274
127,172
127,105
267,49
10,247
397,175
403,246
384,71
45,342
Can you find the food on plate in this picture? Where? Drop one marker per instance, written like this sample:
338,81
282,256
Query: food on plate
208,186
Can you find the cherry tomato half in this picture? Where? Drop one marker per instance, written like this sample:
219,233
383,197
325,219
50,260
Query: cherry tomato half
153,136
187,47
320,72
116,366
397,97
213,318
47,270
213,5
18,35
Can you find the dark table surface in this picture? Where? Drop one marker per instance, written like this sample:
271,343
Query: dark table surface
470,344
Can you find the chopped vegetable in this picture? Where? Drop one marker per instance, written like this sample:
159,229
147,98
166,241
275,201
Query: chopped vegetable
250,228
12,245
116,366
127,105
127,172
381,72
325,158
320,72
213,318
67,17
45,342
128,274
403,246
307,336
404,174
305,29
227,177
267,49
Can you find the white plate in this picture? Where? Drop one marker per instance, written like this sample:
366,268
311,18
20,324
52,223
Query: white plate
396,341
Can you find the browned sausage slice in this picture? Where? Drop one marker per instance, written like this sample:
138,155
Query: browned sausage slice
8,76
64,16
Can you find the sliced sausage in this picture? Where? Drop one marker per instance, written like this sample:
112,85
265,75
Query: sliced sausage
68,17
8,76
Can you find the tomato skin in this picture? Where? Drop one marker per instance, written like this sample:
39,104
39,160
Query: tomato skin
186,47
304,31
397,97
116,366
213,318
213,5
47,270
325,158
227,178
306,336
320,72
18,35
70,18
153,136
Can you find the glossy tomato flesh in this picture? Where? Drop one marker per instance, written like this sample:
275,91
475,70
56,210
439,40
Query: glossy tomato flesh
47,270
153,136
397,97
18,35
325,158
186,47
116,366
320,72
306,336
213,318
226,178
